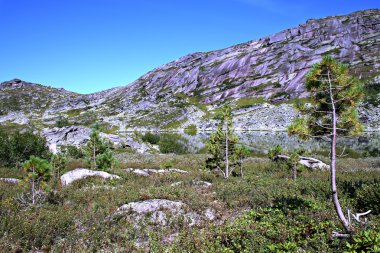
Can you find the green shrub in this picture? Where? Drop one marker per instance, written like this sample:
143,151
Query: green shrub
105,161
62,122
73,151
368,198
151,138
166,165
59,165
365,242
191,130
18,147
172,143
275,151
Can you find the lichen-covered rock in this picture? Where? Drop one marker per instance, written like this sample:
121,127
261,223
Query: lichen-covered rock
201,184
10,180
79,135
148,172
308,162
162,212
80,173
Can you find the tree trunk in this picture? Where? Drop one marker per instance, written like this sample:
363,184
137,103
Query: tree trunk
241,167
294,173
33,189
337,206
94,156
226,173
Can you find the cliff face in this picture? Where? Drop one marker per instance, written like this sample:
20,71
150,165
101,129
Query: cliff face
256,76
277,63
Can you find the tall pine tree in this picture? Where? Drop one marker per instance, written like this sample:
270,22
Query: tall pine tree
335,96
222,145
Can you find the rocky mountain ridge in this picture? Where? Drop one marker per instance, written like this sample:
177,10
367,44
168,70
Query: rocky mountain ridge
260,78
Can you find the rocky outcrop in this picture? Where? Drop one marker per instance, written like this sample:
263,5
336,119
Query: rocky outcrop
162,212
148,172
271,70
79,135
80,173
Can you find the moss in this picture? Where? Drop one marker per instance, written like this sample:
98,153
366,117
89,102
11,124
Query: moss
280,94
297,100
73,112
248,102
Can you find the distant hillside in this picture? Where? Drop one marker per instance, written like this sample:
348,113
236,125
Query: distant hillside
261,78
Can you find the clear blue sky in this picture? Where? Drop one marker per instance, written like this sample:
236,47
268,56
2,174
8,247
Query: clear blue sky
90,45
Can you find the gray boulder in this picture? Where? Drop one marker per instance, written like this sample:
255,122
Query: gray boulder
80,173
308,162
10,180
79,135
148,172
162,212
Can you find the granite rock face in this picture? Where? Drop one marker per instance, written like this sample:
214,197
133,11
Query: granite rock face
270,71
79,135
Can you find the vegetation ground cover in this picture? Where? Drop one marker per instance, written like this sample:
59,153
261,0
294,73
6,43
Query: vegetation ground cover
265,211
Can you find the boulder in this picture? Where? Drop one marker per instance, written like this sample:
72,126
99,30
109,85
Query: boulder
162,212
200,184
79,135
308,162
148,172
10,180
80,173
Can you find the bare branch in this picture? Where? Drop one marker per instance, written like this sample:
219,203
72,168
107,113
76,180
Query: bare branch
339,235
358,215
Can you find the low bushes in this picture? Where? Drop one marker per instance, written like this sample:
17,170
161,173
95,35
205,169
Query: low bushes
16,148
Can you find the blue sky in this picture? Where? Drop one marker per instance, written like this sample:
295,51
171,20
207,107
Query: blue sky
90,45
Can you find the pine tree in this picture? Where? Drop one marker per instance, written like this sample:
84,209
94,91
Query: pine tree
335,96
242,152
38,173
58,163
222,144
98,153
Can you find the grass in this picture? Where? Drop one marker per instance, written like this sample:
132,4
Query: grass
263,86
191,130
175,124
266,211
248,102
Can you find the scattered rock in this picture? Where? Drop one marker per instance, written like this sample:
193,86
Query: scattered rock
200,184
80,173
10,180
148,172
138,172
176,184
308,162
209,214
162,212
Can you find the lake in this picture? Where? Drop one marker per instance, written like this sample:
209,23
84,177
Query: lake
259,142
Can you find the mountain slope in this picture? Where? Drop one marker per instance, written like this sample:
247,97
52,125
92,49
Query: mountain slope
260,78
